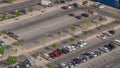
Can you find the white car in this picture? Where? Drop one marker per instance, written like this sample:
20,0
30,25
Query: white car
73,48
68,47
80,43
117,42
46,56
70,6
95,13
101,6
104,49
83,42
63,65
107,33
102,37
93,54
106,18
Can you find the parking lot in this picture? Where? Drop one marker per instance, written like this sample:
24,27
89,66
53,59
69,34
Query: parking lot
72,36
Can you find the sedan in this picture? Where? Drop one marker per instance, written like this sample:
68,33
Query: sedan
46,56
102,36
111,32
64,7
104,49
83,58
62,65
78,17
84,15
116,42
71,14
107,33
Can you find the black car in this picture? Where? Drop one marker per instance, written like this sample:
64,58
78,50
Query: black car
65,51
10,67
84,15
59,50
71,14
10,33
75,5
78,17
62,1
52,55
111,31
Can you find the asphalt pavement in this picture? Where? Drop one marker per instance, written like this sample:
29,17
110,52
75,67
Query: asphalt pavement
21,5
105,60
93,44
37,28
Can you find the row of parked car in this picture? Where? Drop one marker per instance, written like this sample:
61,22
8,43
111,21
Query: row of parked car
79,16
89,55
24,64
11,34
106,34
66,49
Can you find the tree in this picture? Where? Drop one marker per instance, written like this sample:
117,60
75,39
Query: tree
94,6
54,45
59,33
11,60
84,32
99,27
85,2
10,1
72,39
2,50
4,17
45,6
87,22
101,18
73,28
18,13
31,10
57,2
44,39
113,15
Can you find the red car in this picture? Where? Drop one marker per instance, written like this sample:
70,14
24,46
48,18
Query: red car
64,7
90,11
56,54
112,46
